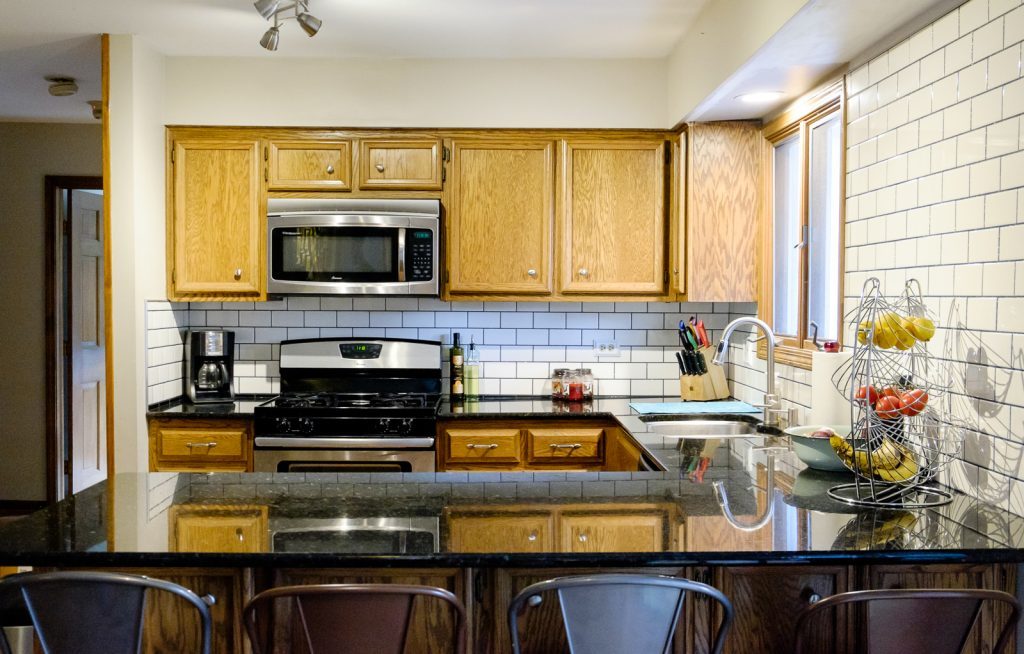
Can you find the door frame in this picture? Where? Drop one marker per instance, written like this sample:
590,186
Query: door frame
57,273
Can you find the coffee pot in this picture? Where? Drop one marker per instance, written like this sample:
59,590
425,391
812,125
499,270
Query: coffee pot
209,365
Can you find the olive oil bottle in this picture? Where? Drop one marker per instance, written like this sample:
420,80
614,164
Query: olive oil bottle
458,388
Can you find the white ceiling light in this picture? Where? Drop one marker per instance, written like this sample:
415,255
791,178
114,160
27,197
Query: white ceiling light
61,86
279,11
759,97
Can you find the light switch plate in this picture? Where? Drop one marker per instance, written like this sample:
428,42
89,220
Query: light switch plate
607,349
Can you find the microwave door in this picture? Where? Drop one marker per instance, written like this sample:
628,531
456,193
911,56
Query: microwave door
329,259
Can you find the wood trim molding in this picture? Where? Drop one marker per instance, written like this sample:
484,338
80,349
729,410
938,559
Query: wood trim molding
108,303
817,103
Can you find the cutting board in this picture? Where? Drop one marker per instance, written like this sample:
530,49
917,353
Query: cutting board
731,406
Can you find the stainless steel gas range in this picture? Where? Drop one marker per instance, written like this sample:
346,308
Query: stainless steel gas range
352,405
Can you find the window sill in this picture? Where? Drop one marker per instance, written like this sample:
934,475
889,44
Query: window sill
787,354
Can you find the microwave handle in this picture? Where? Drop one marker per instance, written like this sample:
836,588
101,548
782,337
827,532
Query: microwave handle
401,254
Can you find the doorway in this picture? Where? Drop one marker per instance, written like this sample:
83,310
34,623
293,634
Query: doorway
76,335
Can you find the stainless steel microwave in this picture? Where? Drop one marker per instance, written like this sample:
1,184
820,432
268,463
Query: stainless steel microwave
353,247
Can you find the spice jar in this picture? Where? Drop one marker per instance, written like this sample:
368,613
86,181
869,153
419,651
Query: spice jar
587,378
559,378
575,386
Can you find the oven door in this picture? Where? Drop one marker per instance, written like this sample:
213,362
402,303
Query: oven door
392,535
339,455
352,254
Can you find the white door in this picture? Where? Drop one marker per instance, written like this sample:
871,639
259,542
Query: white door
88,455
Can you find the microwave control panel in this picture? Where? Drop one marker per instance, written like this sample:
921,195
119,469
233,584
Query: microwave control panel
420,264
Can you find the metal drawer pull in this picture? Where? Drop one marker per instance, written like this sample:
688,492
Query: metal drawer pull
238,273
478,446
241,536
330,169
210,444
532,536
565,446
379,167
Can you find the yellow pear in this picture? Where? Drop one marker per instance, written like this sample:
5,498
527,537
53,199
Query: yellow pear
863,330
904,335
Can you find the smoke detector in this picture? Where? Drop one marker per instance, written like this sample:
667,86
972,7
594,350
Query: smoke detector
62,86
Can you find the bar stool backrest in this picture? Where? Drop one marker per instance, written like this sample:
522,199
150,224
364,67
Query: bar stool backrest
915,620
614,613
352,617
93,612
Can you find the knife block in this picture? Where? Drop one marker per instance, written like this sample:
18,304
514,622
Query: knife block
710,386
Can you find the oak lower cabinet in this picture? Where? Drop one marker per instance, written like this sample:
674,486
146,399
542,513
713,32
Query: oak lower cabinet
199,445
526,531
216,217
614,217
227,528
501,212
574,444
400,164
633,531
306,165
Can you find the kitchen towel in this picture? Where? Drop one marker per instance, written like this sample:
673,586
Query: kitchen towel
733,406
828,405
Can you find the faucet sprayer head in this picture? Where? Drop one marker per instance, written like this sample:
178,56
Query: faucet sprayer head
721,354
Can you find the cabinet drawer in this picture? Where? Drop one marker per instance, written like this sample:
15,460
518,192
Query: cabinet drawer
207,445
528,532
551,445
483,445
202,444
302,165
413,164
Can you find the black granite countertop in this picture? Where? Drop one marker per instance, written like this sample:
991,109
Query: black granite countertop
327,519
179,407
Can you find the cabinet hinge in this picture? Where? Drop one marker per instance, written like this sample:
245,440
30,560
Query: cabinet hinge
172,153
446,154
174,275
266,153
444,175
668,153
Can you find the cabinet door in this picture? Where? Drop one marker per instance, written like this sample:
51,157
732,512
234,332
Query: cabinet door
522,532
767,600
410,165
501,214
216,232
310,165
550,446
230,529
633,532
198,445
486,446
613,224
996,577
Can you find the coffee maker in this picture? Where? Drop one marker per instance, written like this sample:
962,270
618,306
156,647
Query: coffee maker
209,365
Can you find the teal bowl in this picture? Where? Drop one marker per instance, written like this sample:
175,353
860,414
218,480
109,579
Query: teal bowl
816,451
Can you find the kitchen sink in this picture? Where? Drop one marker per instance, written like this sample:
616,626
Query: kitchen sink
702,428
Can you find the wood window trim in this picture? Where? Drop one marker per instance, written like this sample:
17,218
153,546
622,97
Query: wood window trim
796,120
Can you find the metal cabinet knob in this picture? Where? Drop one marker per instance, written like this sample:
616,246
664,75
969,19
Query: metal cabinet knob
534,600
330,169
532,272
584,272
813,598
532,536
583,538
241,536
238,273
379,167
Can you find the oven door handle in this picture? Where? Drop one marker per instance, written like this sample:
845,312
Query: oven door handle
345,443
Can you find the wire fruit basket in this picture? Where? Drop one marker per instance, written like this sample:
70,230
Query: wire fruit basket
903,432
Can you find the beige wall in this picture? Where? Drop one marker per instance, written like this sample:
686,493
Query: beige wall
29,152
416,93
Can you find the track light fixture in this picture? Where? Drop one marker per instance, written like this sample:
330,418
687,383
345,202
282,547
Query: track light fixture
280,11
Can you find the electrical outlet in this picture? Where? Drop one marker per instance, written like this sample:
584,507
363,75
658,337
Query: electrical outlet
607,349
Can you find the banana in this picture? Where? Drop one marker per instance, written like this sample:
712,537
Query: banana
890,461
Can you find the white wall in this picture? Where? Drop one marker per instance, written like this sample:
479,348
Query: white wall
29,152
137,231
416,93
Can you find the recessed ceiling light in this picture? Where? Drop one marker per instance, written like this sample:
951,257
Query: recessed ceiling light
759,97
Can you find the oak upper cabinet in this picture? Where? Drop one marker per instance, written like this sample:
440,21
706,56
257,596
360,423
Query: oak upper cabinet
215,241
226,529
613,219
501,210
309,165
526,531
633,531
719,217
400,165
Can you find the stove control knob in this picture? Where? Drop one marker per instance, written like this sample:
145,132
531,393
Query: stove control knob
385,426
304,426
283,424
406,427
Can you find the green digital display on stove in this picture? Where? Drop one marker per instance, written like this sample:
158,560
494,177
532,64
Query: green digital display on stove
360,350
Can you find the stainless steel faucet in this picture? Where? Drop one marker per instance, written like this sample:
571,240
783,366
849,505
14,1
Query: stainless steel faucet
772,406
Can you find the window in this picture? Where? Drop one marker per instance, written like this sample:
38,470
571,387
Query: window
802,290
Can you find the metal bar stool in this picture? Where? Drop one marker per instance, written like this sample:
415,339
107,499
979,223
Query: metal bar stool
94,612
615,613
353,617
914,621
